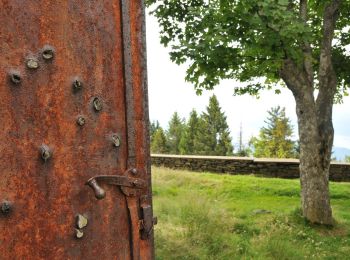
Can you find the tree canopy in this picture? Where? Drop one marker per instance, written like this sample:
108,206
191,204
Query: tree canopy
250,39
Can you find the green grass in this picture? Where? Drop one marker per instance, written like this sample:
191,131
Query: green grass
210,216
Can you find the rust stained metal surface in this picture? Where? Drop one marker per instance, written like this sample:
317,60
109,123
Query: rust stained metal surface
78,51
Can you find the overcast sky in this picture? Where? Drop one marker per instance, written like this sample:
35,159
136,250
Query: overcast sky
168,92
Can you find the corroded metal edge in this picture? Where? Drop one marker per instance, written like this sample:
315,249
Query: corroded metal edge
137,25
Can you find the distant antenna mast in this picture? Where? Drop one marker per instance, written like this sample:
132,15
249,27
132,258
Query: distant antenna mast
240,138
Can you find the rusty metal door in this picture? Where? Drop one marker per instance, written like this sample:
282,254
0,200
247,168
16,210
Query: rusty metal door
74,159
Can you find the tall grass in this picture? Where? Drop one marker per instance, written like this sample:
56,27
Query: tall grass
207,216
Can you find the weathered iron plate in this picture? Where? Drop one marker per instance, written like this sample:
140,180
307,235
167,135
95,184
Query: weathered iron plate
101,43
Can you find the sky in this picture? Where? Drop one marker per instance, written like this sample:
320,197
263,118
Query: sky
169,92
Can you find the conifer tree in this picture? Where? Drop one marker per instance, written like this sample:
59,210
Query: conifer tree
159,142
274,140
174,133
213,136
189,137
153,128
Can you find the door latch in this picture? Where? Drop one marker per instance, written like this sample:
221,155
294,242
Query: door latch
117,180
131,187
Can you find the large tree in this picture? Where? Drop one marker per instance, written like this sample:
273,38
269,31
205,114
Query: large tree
275,138
301,43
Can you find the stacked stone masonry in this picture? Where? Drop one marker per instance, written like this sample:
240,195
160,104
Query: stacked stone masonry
278,168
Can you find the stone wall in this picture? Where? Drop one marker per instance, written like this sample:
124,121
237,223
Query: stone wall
280,168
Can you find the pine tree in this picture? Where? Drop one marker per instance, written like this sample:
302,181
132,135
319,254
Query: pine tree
174,133
153,128
213,137
188,139
159,142
274,140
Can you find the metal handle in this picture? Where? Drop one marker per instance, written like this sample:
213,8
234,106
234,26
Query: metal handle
129,186
99,192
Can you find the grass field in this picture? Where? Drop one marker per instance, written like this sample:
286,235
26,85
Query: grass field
210,216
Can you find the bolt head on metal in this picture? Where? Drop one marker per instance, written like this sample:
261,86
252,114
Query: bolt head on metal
6,207
32,63
116,140
15,77
77,85
45,152
134,171
81,221
97,103
81,120
79,233
48,53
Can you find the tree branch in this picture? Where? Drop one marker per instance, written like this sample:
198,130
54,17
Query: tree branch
307,51
326,75
327,81
295,79
331,14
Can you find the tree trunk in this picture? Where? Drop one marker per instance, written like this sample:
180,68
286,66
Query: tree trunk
315,155
316,141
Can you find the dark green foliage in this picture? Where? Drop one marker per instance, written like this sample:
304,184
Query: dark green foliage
274,140
174,133
188,141
207,134
214,135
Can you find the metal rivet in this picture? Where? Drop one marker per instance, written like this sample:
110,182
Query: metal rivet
97,104
32,63
134,171
78,233
81,221
81,120
15,77
45,152
77,85
6,207
48,53
116,140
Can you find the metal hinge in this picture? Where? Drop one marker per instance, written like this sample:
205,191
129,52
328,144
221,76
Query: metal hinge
148,222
